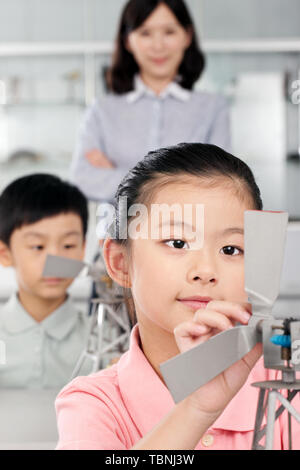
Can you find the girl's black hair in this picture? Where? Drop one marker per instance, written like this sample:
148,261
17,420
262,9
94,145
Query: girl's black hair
32,198
202,160
120,76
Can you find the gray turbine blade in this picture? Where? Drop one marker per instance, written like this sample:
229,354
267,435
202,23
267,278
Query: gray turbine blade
59,266
185,373
265,234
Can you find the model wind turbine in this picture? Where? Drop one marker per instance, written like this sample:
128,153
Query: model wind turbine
59,266
109,329
265,234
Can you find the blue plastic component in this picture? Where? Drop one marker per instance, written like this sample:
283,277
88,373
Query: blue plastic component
281,340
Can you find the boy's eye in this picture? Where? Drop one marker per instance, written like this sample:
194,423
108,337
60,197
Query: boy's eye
37,247
232,250
69,246
179,244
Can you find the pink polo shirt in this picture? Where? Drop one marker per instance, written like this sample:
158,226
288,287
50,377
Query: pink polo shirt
115,407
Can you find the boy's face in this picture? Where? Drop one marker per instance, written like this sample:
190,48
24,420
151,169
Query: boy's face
60,235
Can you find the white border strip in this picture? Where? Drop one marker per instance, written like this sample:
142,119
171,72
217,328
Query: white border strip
106,47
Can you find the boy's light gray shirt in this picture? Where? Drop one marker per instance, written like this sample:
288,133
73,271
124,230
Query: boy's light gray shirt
126,127
41,354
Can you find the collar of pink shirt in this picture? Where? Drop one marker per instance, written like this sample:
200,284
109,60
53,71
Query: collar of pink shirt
148,400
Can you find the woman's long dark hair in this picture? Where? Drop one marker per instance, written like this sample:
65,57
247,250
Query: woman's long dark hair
120,76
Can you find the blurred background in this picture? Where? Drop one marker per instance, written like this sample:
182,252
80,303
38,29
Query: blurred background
53,54
52,57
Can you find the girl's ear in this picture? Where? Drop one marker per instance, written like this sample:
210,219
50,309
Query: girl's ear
5,255
116,261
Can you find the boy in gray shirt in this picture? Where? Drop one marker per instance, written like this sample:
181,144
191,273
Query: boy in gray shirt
42,331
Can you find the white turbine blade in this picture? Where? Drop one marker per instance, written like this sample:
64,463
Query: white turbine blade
59,266
185,373
265,234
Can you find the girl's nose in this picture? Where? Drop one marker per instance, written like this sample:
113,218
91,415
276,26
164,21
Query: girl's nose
203,270
205,278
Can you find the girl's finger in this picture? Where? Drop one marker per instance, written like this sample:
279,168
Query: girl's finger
236,311
190,334
188,329
252,357
213,319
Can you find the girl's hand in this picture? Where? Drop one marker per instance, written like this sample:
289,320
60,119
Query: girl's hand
98,159
218,316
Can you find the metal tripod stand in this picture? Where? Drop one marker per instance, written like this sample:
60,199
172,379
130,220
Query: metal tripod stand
108,334
268,395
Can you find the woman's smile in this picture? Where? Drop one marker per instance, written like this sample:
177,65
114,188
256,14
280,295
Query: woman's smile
160,61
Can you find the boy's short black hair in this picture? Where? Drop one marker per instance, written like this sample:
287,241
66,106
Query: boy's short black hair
34,197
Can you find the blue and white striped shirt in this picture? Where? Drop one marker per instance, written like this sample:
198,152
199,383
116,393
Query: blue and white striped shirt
126,127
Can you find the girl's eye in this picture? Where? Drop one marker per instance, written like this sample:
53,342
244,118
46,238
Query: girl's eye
232,250
69,246
170,31
145,33
179,244
37,247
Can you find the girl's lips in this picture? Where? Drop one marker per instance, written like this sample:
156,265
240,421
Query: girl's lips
194,304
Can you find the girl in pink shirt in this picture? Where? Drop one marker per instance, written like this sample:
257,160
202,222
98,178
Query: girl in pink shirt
185,289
